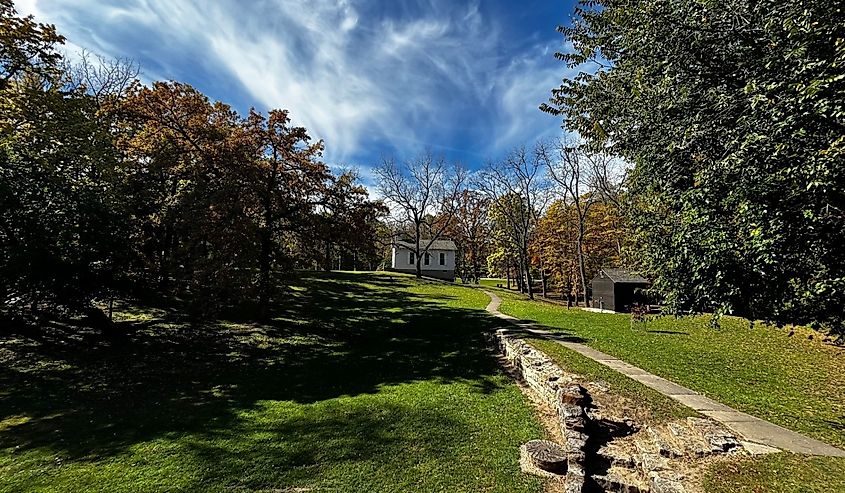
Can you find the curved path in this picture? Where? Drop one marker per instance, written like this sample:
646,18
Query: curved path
753,429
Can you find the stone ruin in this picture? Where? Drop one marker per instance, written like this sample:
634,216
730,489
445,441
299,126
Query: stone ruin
599,449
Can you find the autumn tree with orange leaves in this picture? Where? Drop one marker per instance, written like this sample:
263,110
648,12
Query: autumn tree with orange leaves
110,187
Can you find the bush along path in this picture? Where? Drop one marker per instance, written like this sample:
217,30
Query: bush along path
751,428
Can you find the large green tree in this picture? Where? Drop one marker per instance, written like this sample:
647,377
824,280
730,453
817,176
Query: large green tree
62,235
734,116
517,189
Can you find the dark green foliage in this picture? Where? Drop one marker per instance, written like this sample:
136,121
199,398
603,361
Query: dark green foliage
109,187
63,231
732,113
62,226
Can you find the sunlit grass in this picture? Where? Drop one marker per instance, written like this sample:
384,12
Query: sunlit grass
652,406
781,473
790,380
360,382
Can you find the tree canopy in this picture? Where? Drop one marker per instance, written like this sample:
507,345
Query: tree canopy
111,187
732,113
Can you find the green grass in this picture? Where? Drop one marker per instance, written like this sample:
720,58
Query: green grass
792,381
645,403
361,382
489,282
781,473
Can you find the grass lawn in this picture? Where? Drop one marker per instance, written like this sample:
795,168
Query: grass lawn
789,380
490,282
648,403
361,382
782,473
792,381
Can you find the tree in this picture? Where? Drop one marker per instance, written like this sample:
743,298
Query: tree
288,181
62,216
107,82
583,180
470,229
502,257
555,243
189,176
571,168
517,189
27,48
731,113
350,225
426,193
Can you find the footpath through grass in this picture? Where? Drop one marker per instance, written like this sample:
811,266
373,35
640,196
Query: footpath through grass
789,380
361,382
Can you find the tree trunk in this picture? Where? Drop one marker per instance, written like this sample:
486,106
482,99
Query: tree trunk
418,259
543,279
264,262
164,275
528,281
581,269
508,275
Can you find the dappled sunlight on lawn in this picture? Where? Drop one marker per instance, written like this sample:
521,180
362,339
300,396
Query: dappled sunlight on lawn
347,378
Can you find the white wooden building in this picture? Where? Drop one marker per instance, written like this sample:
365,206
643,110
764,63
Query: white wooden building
438,261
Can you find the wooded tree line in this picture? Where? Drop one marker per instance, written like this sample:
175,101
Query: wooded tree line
549,214
733,114
111,187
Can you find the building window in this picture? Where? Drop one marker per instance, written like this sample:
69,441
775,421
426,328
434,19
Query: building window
411,257
427,258
442,258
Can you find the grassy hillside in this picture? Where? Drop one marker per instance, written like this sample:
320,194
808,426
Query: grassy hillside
790,380
360,382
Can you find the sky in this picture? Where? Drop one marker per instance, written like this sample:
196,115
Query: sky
462,79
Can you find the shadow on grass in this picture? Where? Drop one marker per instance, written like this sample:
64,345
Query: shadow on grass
87,397
537,331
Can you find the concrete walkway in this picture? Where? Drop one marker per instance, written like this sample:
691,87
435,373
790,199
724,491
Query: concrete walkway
751,428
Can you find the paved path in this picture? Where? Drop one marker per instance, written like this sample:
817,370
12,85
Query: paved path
752,428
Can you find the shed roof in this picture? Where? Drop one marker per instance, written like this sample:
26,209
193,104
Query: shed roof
436,245
624,276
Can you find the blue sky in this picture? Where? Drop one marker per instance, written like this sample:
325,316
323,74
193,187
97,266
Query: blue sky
371,78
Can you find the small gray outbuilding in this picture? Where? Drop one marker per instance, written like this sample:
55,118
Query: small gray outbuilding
618,289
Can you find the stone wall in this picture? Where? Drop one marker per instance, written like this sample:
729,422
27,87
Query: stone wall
606,451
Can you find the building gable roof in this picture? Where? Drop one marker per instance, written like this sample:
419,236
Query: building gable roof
436,245
624,276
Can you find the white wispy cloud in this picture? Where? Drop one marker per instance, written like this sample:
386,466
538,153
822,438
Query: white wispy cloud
365,79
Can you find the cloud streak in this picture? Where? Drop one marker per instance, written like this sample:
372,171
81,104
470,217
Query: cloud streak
370,79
